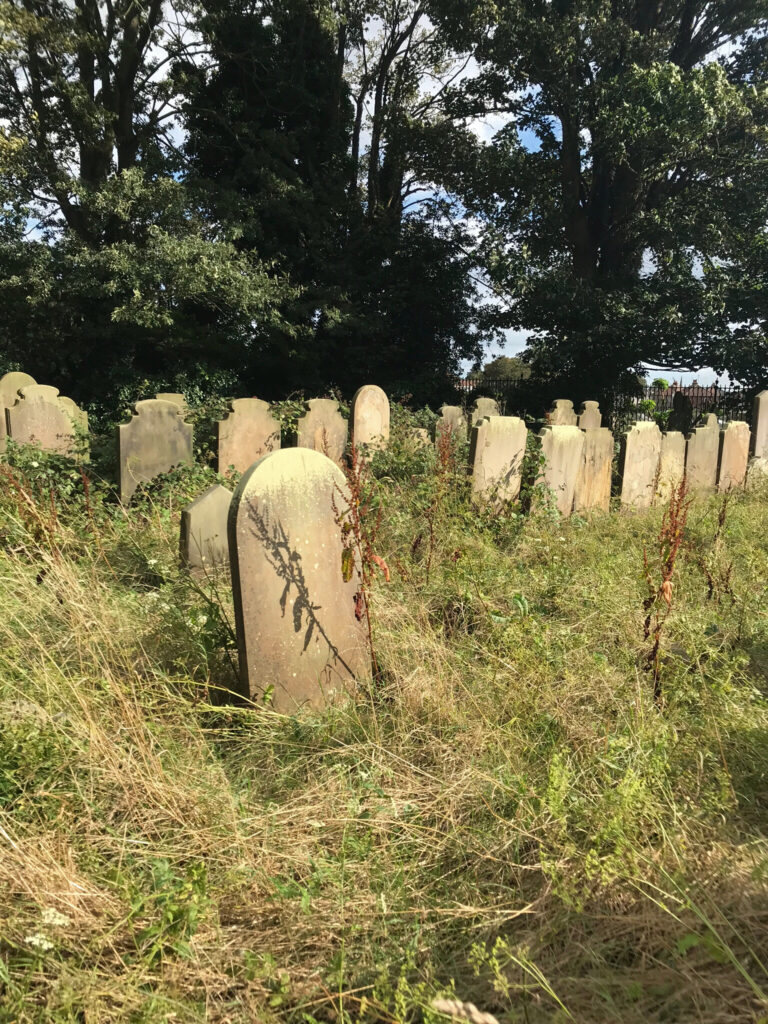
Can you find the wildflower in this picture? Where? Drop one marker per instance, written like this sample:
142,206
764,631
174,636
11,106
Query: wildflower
40,942
51,916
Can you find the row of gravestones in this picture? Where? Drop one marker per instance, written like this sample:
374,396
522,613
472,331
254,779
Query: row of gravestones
33,413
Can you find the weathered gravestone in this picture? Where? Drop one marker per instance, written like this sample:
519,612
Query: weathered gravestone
563,450
247,432
323,429
640,455
734,456
593,487
203,543
561,414
154,441
701,456
419,438
759,446
757,474
451,420
300,626
175,398
10,385
671,464
370,417
590,417
496,457
42,416
483,407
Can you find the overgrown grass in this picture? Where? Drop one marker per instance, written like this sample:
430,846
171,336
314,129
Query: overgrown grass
505,818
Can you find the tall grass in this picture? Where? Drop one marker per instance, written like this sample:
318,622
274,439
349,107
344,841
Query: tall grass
505,817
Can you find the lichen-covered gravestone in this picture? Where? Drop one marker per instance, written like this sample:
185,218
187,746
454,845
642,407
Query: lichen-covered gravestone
590,417
640,455
496,457
563,451
701,457
671,465
323,429
562,414
483,407
42,416
10,385
593,487
154,441
248,432
759,447
301,630
451,420
203,543
734,456
370,417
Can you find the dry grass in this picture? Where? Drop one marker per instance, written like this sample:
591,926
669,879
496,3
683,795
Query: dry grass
506,818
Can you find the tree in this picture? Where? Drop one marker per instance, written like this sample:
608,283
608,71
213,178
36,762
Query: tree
630,169
114,276
278,121
506,368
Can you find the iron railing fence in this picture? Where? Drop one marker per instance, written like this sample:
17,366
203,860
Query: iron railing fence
673,408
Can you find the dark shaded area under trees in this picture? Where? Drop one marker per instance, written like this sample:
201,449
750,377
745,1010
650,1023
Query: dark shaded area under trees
253,198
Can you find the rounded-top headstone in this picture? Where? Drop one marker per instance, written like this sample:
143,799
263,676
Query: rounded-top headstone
453,419
562,414
300,622
370,416
483,407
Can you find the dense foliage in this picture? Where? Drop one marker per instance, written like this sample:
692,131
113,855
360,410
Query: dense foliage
258,196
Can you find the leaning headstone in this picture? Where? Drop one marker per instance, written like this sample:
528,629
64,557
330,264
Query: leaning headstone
640,456
496,457
734,456
301,629
247,432
323,429
175,398
590,417
452,418
593,487
203,543
563,450
154,441
10,385
370,417
671,465
41,416
760,426
483,407
701,456
561,414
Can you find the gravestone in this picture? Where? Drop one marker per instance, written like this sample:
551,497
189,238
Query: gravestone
370,417
640,457
483,407
563,450
203,543
701,457
42,416
760,426
420,438
757,474
154,441
590,417
175,398
453,419
10,385
301,632
323,429
671,465
247,432
561,414
593,487
734,456
496,457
